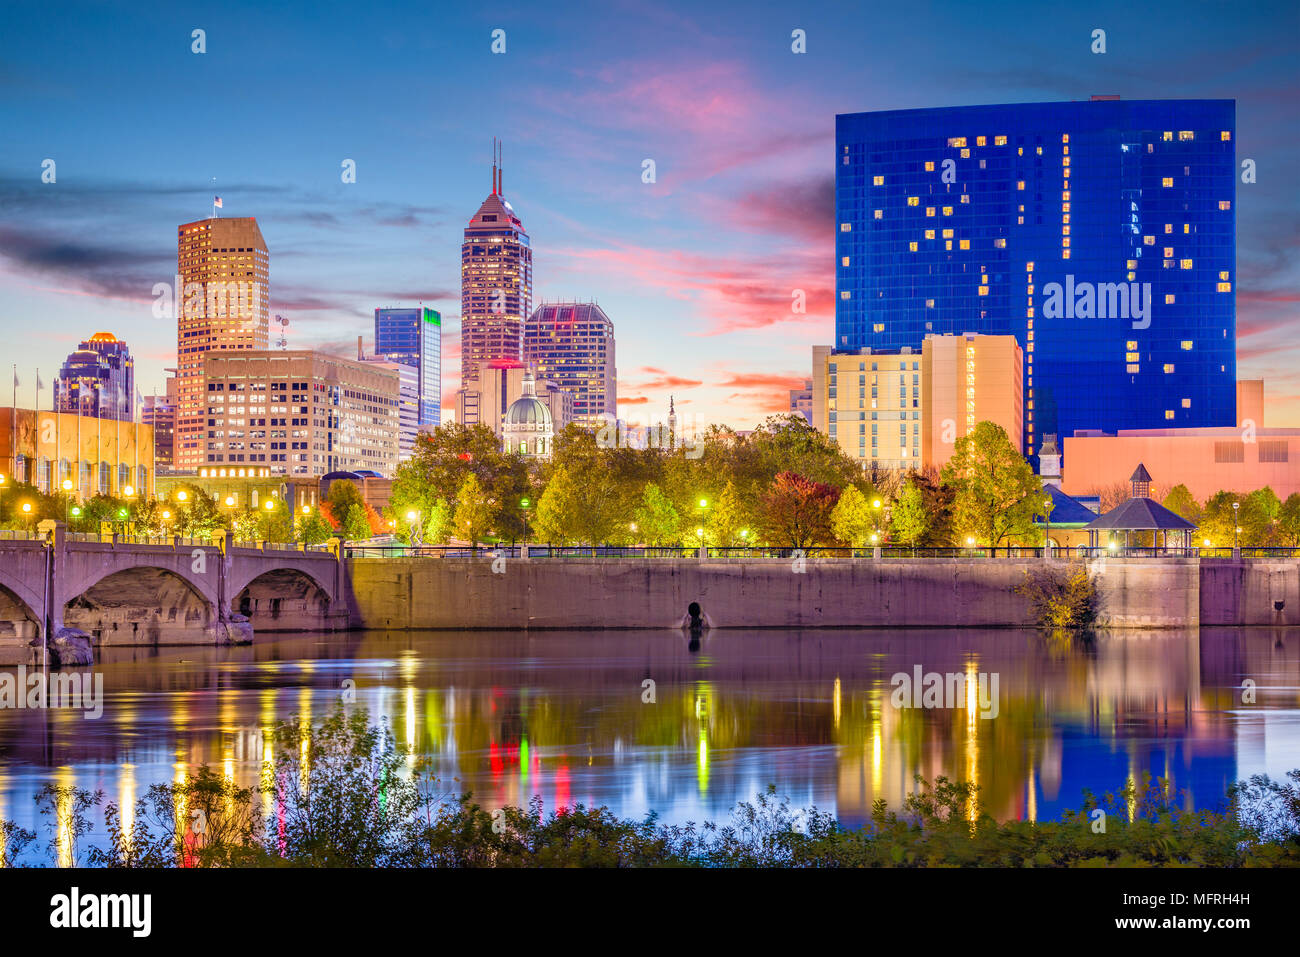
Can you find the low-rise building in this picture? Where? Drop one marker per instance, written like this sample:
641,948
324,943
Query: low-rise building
96,455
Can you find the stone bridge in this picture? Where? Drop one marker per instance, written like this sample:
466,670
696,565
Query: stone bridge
83,592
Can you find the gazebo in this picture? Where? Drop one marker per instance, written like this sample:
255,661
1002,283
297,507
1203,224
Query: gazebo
1140,513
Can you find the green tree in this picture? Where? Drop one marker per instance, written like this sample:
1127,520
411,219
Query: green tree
854,520
1288,521
909,521
589,510
343,494
275,524
474,510
356,525
313,528
796,511
657,520
1180,502
728,518
995,490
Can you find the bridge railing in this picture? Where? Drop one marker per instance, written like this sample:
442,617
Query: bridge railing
18,535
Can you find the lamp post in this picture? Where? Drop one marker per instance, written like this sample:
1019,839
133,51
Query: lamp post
230,504
413,532
27,513
67,500
1047,528
1236,529
525,504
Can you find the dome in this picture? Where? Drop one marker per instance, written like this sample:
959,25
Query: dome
528,410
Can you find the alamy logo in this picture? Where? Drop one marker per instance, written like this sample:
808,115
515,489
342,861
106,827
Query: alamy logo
132,911
952,690
1106,300
40,689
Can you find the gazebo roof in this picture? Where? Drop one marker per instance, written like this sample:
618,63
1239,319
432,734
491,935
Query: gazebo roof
1140,514
1140,474
1065,510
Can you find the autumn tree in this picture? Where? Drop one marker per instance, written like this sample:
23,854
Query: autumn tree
795,511
994,487
313,529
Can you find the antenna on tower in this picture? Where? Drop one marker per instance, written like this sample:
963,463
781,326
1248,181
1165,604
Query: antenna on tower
281,342
494,166
502,164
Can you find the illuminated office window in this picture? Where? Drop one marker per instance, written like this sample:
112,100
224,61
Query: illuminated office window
1167,182
1225,135
877,181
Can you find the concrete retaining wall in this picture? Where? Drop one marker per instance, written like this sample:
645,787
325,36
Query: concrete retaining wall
893,593
1247,592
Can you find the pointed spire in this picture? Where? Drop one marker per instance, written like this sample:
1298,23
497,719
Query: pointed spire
494,166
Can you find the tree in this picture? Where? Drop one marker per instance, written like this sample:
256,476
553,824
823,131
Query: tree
796,511
910,521
313,529
1288,520
589,510
356,525
995,489
657,520
853,520
343,494
728,518
473,517
1180,502
437,524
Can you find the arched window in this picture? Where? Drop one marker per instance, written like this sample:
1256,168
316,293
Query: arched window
43,474
123,477
20,468
102,485
141,479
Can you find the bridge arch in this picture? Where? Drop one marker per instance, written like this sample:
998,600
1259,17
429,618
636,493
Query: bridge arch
20,616
142,605
283,599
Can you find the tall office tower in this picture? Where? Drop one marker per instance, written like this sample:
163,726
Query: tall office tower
1100,234
222,305
298,412
496,284
413,337
98,380
572,345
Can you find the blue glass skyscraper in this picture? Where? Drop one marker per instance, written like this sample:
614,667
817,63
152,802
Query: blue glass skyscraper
413,337
1100,233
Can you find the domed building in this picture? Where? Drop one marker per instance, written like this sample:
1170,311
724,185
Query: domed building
527,427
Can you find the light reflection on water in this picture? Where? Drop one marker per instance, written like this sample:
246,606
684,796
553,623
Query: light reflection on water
561,716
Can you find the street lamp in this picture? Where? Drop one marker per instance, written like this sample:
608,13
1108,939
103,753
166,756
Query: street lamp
67,499
525,504
27,511
1236,528
1047,526
230,504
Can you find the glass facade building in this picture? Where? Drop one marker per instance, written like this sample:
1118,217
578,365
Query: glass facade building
413,337
98,380
1100,233
572,345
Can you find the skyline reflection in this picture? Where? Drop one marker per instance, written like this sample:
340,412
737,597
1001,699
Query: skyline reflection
561,716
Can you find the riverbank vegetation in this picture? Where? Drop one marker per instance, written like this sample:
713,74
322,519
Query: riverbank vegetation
343,794
784,485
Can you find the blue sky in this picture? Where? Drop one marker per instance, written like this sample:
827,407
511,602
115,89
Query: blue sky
696,270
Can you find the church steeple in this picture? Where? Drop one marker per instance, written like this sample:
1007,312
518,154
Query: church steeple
672,416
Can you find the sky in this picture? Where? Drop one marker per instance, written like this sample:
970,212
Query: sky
697,270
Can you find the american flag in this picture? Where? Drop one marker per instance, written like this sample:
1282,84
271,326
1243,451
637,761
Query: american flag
216,201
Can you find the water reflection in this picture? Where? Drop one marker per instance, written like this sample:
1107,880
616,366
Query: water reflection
563,716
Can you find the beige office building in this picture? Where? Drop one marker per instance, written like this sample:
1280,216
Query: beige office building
222,304
300,413
904,410
969,379
497,384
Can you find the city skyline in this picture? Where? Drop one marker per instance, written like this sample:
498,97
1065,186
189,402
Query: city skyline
699,266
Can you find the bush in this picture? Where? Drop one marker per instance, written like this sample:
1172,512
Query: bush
1060,597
